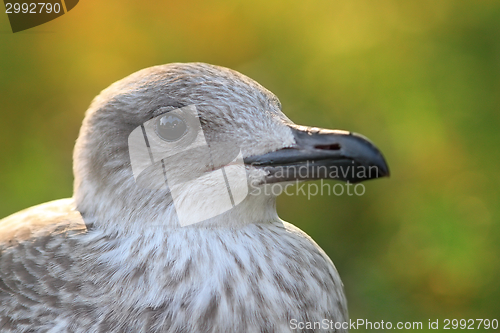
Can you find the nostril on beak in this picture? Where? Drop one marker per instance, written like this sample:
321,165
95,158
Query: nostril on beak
333,146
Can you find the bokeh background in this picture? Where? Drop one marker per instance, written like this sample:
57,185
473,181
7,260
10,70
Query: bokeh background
419,78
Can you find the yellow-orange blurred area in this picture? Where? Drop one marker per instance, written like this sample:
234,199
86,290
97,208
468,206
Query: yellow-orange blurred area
419,78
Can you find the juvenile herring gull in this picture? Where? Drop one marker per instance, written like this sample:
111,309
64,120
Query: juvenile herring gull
117,256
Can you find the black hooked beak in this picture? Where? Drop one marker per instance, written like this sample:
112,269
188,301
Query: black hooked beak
323,154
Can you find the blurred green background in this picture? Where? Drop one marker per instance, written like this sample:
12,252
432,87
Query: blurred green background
419,78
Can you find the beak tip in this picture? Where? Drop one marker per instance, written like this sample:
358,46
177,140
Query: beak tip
383,167
385,172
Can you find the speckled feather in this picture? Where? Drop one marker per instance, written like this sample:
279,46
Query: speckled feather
114,258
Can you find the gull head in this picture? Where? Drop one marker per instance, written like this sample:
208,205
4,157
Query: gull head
191,145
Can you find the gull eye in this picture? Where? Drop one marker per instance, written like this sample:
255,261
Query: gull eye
170,127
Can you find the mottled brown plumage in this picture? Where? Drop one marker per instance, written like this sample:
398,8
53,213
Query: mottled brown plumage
254,279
